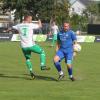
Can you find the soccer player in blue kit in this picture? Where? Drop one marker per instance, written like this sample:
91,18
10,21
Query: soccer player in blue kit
66,38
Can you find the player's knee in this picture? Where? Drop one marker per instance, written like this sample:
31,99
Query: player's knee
27,60
56,59
42,52
69,63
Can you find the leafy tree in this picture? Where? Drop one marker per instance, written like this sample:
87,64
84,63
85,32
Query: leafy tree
93,10
18,5
61,10
46,9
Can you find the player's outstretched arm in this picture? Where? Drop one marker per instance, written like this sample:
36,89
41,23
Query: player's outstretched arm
11,30
39,23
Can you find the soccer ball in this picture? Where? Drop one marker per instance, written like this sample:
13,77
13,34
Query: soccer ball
77,47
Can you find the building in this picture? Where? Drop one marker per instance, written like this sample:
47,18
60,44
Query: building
78,6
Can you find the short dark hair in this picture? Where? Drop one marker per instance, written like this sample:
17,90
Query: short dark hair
26,16
66,22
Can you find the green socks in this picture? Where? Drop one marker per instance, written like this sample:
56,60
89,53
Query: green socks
29,65
42,58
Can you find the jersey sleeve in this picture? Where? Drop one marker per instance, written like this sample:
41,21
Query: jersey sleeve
57,29
73,35
34,26
15,27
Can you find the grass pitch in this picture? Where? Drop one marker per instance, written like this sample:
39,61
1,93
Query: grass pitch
15,82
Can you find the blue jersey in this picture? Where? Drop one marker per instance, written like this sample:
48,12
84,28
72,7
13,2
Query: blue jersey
66,40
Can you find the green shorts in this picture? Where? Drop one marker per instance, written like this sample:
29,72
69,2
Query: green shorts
55,37
27,51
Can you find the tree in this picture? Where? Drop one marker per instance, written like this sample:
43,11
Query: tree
44,8
18,5
93,11
61,10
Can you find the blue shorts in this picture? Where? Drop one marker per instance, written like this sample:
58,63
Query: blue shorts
68,56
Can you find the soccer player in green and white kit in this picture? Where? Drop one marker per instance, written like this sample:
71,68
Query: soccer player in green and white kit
54,31
28,45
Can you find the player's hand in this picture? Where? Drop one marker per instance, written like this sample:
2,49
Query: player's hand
4,31
7,30
40,24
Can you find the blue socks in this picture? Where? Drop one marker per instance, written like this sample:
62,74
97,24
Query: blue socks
58,66
70,72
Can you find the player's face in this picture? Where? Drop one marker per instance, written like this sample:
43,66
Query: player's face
30,19
66,26
53,23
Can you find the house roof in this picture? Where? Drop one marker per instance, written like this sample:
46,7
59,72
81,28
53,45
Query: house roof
85,2
72,1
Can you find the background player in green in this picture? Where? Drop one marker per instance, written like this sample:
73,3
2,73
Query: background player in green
54,31
28,45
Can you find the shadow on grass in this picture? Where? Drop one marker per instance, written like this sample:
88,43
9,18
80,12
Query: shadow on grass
37,77
12,77
47,78
40,77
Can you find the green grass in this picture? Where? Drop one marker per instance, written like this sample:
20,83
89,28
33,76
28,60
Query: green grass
15,83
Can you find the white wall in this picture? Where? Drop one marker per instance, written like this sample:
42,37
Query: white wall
78,7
